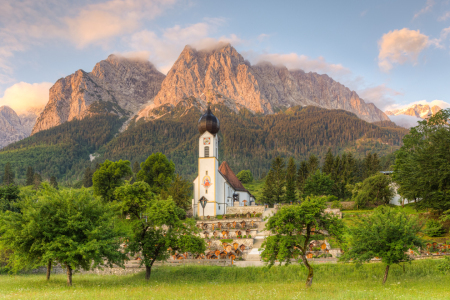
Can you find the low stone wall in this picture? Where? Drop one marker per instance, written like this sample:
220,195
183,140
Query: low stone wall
201,262
245,209
247,242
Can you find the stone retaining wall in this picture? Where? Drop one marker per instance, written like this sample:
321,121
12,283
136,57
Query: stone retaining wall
245,209
246,242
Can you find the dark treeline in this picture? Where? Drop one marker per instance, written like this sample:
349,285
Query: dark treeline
247,141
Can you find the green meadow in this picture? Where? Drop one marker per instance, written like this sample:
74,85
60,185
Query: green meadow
418,280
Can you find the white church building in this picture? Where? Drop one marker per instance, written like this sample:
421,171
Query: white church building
216,184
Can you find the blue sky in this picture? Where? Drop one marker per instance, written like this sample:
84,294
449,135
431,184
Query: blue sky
391,52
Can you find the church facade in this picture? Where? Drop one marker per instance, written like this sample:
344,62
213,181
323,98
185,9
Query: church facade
215,183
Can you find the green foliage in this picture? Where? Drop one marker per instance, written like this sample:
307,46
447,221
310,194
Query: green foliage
161,230
53,182
87,179
9,195
181,192
302,175
374,190
313,164
293,227
434,228
291,182
371,165
8,175
37,179
336,204
387,233
158,172
444,265
110,176
70,227
134,199
422,166
29,176
245,176
318,184
136,167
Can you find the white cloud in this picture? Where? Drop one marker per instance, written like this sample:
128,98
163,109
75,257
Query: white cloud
445,16
22,96
405,121
381,96
429,5
293,61
399,47
165,48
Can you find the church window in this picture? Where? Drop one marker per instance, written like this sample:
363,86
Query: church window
206,151
206,191
206,172
219,207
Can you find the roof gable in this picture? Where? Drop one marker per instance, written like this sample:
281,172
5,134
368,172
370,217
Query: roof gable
229,175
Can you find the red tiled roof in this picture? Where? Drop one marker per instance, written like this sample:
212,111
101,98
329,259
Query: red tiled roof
226,171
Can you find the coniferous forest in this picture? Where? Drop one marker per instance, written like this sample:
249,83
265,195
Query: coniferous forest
247,141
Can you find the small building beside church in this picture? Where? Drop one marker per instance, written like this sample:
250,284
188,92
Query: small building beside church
217,184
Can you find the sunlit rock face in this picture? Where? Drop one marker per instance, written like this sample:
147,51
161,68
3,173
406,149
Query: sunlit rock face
416,110
14,127
116,85
223,75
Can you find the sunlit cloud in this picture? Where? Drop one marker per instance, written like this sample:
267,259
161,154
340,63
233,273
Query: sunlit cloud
399,47
23,96
429,5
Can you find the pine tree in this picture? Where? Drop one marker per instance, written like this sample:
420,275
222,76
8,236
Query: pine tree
302,175
279,171
87,179
136,167
313,164
376,163
30,175
269,189
37,179
329,165
53,182
367,166
8,177
291,180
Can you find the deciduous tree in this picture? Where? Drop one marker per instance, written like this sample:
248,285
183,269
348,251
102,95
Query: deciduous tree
110,176
387,233
376,190
292,229
318,184
158,172
245,176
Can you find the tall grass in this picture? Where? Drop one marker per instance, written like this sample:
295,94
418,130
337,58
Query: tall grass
419,280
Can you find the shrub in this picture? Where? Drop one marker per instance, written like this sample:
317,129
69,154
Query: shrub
444,265
336,204
249,236
219,217
434,228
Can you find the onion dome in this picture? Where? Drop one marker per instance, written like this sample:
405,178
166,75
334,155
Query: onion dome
208,122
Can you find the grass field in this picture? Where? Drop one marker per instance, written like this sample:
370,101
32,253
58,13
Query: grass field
420,280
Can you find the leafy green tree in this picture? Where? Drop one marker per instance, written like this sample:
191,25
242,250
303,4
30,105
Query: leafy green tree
376,190
422,166
136,167
134,199
181,192
292,229
37,179
268,193
29,176
302,175
291,181
110,176
329,165
245,176
434,228
8,176
387,233
70,227
318,184
9,195
158,172
53,182
87,179
313,164
161,232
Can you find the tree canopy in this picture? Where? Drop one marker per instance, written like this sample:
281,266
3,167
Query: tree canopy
376,190
158,172
109,176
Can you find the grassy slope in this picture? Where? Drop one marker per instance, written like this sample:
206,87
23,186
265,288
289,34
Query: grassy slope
419,281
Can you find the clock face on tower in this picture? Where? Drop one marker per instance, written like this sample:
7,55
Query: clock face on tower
206,141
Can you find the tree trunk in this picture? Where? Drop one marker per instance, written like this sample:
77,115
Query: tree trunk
69,275
49,269
148,271
309,279
386,274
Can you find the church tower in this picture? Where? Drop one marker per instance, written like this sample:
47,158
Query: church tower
208,164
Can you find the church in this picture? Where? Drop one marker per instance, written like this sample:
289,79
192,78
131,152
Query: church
218,185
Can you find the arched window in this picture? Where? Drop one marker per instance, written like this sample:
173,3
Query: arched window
206,151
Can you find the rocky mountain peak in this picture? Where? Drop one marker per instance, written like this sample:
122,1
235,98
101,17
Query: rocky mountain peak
262,88
416,110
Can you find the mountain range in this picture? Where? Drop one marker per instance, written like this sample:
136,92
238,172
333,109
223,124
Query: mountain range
416,110
14,127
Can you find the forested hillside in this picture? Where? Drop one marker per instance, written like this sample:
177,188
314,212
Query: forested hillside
250,141
247,141
62,151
